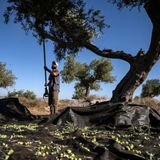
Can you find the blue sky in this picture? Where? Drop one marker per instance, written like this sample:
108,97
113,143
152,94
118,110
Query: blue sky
129,31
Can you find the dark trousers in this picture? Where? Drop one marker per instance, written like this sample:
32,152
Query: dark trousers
53,101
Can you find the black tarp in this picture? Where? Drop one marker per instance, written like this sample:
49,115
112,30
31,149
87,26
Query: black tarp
109,114
11,108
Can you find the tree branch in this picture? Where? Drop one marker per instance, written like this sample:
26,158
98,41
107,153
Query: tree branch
107,53
153,10
54,38
103,53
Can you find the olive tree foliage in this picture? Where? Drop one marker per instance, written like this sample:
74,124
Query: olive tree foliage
80,92
151,88
61,21
6,76
87,76
71,26
21,93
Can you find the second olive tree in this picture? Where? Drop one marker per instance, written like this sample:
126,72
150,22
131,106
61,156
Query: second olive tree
151,88
7,78
87,76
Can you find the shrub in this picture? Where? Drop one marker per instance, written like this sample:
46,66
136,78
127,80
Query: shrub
21,93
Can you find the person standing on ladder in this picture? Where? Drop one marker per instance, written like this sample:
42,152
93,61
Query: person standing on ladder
54,87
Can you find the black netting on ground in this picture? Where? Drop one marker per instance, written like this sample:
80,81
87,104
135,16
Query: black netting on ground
117,117
111,115
11,108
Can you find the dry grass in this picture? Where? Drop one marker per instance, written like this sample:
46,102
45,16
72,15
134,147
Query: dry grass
64,103
36,107
150,102
97,98
40,106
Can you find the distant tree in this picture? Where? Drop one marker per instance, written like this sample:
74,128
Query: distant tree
21,93
15,93
79,92
29,94
151,88
72,25
6,76
88,76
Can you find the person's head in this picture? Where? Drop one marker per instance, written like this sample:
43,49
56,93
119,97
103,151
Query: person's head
54,65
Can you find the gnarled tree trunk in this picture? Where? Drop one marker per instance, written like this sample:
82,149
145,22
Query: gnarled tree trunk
142,63
134,78
87,91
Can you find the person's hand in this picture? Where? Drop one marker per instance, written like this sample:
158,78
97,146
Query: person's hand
45,84
45,67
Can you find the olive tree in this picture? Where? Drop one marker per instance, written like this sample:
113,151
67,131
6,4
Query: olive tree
6,76
21,93
151,88
87,76
72,26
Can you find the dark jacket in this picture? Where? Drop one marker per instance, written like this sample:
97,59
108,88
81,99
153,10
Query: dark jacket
54,82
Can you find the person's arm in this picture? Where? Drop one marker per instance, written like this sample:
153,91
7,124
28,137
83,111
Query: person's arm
54,72
47,69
